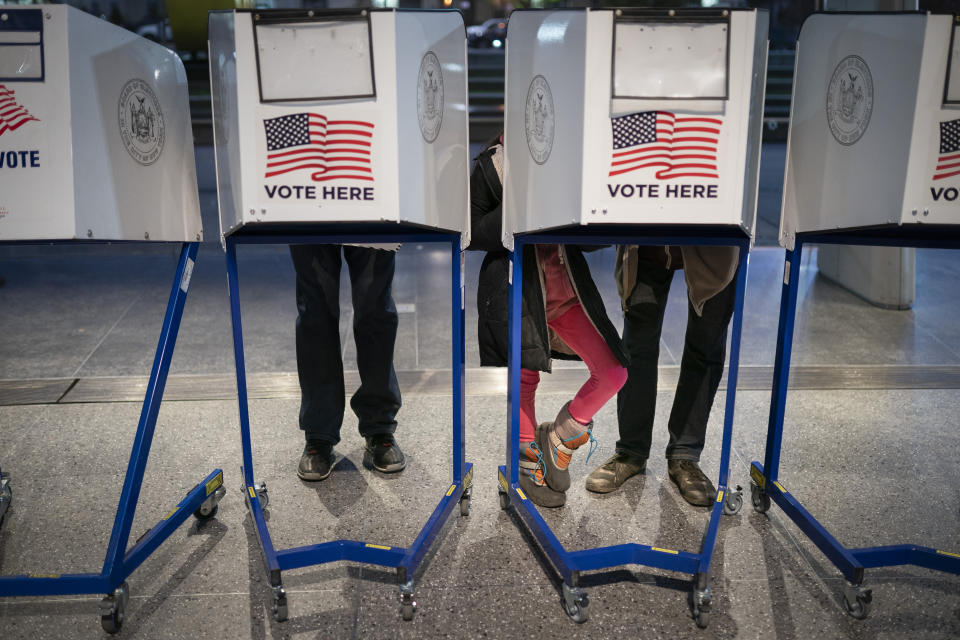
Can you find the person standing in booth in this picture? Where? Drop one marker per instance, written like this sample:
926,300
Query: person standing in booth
562,317
644,275
319,360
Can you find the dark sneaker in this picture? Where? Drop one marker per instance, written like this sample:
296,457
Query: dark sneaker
614,472
558,440
694,486
531,478
382,453
317,461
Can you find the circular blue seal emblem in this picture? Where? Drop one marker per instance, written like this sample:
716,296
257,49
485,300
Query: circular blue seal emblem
539,120
849,100
430,96
141,122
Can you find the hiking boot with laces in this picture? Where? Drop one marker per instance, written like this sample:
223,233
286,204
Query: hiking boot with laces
531,477
558,440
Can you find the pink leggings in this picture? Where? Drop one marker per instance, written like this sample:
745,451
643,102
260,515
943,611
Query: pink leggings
607,375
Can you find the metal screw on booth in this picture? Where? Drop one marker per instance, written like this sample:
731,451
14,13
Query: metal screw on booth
362,140
100,122
604,157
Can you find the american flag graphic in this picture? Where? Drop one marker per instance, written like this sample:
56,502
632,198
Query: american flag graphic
12,115
328,149
676,146
948,164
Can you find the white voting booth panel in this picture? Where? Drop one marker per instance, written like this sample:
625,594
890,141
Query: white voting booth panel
875,125
95,135
633,116
340,117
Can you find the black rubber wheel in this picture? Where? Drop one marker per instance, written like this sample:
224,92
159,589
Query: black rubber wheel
759,498
213,514
111,623
406,610
504,500
465,506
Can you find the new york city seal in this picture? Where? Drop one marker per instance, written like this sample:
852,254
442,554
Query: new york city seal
141,122
849,100
430,96
539,119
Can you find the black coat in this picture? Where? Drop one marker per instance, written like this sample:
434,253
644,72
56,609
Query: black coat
538,343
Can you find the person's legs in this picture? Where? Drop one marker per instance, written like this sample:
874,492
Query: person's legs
701,368
642,326
375,322
636,400
572,427
319,364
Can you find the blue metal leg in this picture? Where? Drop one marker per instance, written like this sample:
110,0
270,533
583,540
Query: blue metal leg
781,365
254,494
120,562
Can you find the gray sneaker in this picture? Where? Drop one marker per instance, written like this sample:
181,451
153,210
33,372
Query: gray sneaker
381,452
317,461
614,472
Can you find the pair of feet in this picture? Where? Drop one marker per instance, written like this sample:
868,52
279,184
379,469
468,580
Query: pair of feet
381,452
694,485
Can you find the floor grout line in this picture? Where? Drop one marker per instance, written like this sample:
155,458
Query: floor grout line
105,335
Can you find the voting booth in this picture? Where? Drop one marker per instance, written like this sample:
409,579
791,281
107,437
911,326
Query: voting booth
633,116
95,137
875,127
873,158
96,145
623,127
343,127
340,117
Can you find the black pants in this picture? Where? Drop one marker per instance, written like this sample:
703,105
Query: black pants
319,361
701,367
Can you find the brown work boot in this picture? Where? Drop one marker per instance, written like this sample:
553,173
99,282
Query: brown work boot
615,471
694,486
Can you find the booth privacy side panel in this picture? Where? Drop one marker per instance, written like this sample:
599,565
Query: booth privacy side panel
153,196
226,122
754,139
932,194
848,172
546,67
431,72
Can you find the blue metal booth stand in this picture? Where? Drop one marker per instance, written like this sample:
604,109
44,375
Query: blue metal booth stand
406,560
201,501
570,564
764,484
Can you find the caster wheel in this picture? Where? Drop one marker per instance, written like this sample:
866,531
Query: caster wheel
703,619
857,601
279,608
407,604
575,603
759,498
504,500
465,506
733,503
202,517
112,622
112,609
262,495
700,605
406,610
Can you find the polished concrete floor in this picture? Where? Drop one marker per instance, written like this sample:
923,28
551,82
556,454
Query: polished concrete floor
871,448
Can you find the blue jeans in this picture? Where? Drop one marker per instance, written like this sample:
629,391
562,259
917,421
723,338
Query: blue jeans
701,366
319,360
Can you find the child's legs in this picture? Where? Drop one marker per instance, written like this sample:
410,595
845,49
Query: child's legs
607,375
529,380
